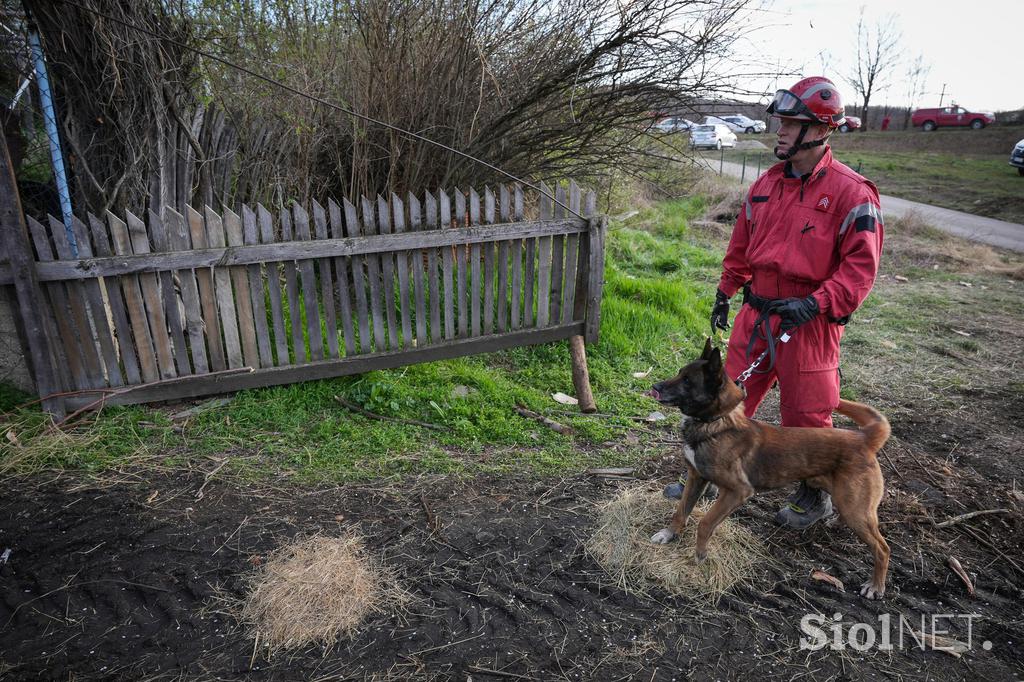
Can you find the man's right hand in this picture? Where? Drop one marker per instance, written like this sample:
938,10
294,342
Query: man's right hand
720,313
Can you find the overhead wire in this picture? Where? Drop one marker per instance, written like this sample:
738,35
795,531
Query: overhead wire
320,100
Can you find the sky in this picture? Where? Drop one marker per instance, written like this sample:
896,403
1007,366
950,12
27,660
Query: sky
974,49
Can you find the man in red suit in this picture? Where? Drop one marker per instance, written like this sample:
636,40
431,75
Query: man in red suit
805,250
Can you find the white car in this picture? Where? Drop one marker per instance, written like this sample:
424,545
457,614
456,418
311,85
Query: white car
674,124
712,136
738,123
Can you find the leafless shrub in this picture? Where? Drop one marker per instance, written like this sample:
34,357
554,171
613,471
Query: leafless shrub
539,89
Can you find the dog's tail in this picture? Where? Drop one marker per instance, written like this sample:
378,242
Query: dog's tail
872,423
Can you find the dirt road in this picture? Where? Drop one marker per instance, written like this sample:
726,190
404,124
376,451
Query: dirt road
997,233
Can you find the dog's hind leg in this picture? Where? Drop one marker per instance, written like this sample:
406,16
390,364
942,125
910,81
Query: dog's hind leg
859,510
728,501
695,487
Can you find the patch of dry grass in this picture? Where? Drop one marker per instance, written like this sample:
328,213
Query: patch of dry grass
622,546
912,241
316,591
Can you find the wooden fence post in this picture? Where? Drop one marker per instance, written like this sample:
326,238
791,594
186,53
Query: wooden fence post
29,295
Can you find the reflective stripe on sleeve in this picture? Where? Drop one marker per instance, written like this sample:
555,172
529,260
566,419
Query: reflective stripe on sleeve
864,217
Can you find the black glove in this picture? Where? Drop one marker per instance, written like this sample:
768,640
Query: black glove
720,313
795,311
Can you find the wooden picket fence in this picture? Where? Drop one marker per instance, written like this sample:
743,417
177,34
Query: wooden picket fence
182,305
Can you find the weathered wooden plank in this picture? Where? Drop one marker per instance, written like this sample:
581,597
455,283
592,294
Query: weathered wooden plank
415,225
582,273
529,277
194,386
98,310
243,297
341,268
207,257
326,283
598,225
516,248
291,286
488,250
172,309
75,295
448,266
154,302
266,223
544,260
309,287
571,258
178,239
460,264
504,217
476,285
225,296
557,257
60,322
434,276
257,297
91,361
359,280
133,300
115,299
373,266
28,294
402,260
387,260
207,293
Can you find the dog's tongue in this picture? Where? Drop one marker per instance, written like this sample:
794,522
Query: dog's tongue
652,393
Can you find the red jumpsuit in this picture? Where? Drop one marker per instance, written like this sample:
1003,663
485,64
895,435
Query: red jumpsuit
819,235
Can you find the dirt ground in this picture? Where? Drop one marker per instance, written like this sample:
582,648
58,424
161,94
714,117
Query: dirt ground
129,576
125,580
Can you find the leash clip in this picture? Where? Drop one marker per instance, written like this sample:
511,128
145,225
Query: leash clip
745,374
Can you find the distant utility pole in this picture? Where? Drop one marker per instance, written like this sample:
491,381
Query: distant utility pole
942,94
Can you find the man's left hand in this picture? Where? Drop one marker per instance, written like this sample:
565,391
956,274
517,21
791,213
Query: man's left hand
796,311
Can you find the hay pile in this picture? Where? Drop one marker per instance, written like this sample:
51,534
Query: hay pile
317,590
622,546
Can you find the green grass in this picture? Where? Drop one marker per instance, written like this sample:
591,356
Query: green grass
659,287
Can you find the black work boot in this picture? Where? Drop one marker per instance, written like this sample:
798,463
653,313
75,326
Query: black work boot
674,491
805,507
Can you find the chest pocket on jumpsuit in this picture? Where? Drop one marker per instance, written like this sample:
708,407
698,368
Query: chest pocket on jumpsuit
811,243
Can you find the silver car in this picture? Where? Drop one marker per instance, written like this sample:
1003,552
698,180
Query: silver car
1017,157
711,136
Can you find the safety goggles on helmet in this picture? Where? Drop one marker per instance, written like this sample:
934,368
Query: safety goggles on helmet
787,104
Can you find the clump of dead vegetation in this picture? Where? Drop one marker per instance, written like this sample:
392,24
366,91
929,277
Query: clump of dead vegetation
316,591
622,546
912,241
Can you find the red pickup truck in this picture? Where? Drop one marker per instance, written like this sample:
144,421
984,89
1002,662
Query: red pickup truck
930,119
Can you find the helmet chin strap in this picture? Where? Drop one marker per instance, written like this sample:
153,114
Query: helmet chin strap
800,144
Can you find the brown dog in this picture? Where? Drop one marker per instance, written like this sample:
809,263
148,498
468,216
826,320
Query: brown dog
743,456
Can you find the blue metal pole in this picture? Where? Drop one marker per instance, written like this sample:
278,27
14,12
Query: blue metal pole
50,121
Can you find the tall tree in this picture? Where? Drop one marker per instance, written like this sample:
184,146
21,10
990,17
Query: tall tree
879,51
916,76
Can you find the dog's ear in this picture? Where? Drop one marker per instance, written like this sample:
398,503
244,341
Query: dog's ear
707,350
714,366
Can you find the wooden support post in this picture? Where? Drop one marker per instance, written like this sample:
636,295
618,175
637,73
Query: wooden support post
29,296
580,375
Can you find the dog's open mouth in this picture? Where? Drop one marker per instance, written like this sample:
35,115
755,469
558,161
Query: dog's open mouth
653,393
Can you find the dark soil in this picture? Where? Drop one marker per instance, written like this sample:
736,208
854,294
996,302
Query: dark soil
125,580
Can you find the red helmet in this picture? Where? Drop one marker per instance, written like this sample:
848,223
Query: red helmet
812,99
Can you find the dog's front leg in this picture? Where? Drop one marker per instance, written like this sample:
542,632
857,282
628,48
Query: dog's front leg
694,488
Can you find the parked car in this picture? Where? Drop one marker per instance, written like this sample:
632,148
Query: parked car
712,136
852,123
1017,157
930,119
674,124
738,123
